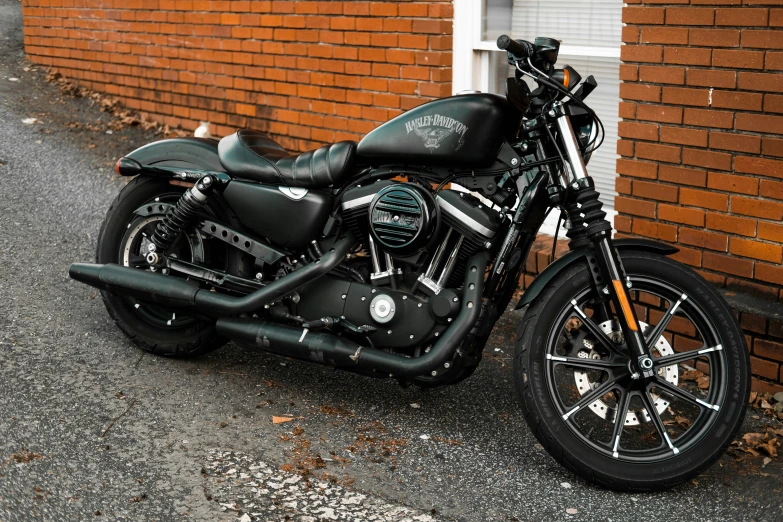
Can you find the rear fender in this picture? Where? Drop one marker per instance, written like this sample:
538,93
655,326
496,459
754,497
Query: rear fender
549,273
181,158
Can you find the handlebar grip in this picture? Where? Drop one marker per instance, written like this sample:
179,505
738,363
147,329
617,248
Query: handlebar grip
518,48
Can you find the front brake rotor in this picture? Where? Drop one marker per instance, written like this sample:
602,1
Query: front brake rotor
584,384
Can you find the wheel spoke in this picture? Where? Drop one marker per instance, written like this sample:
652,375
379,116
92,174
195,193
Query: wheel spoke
652,411
596,364
682,394
619,420
590,397
657,332
668,360
594,329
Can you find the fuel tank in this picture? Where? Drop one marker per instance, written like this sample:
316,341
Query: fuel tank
466,130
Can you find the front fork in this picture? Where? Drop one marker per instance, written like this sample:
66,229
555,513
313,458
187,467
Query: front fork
589,227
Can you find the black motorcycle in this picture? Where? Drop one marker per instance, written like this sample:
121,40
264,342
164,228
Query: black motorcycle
630,368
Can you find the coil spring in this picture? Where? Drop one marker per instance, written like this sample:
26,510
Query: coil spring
184,214
587,217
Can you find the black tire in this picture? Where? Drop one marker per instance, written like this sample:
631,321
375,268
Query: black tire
192,339
561,438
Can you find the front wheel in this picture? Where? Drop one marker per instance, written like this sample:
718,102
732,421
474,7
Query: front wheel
598,418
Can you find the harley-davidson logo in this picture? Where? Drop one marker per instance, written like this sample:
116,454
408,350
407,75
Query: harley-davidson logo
435,128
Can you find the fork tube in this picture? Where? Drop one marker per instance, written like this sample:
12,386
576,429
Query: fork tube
568,138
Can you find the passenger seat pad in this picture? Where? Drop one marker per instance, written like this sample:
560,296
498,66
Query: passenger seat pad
255,156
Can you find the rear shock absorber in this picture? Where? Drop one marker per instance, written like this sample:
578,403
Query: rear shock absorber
585,214
184,214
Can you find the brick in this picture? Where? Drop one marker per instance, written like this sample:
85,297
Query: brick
656,152
707,158
774,61
713,78
760,82
641,53
756,207
629,73
658,191
763,368
658,74
622,185
736,100
630,91
686,56
683,136
690,16
756,250
634,207
703,239
771,231
768,349
683,175
732,183
710,118
772,147
684,96
771,189
731,224
737,59
654,230
704,199
715,37
637,169
735,142
769,273
625,148
659,113
640,131
667,35
741,17
728,265
643,15
757,165
761,39
773,103
677,214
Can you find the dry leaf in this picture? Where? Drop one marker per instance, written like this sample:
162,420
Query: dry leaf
280,420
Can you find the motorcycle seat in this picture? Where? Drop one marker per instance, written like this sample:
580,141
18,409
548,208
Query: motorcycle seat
253,155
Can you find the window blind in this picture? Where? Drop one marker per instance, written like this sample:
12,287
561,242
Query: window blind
586,25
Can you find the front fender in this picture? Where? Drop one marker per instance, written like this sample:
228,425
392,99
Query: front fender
540,282
184,153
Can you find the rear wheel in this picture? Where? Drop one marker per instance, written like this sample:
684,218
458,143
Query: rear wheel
124,239
599,419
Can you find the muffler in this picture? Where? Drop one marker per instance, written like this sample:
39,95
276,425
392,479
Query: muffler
326,348
179,293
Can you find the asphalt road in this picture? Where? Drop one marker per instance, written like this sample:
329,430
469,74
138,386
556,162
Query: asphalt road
92,429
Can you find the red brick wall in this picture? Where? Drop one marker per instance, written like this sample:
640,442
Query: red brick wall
306,72
701,148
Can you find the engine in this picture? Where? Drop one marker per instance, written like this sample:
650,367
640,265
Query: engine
403,222
402,291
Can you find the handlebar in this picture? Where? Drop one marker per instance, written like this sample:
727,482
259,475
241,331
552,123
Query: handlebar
519,48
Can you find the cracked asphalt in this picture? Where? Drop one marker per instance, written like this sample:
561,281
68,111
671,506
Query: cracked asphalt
93,429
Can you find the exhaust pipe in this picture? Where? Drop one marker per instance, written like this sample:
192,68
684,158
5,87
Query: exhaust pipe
179,293
337,351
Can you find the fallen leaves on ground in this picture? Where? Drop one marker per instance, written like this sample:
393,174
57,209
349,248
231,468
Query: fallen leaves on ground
25,457
758,444
280,420
701,380
335,410
124,117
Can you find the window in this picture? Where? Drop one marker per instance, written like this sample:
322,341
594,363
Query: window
590,35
